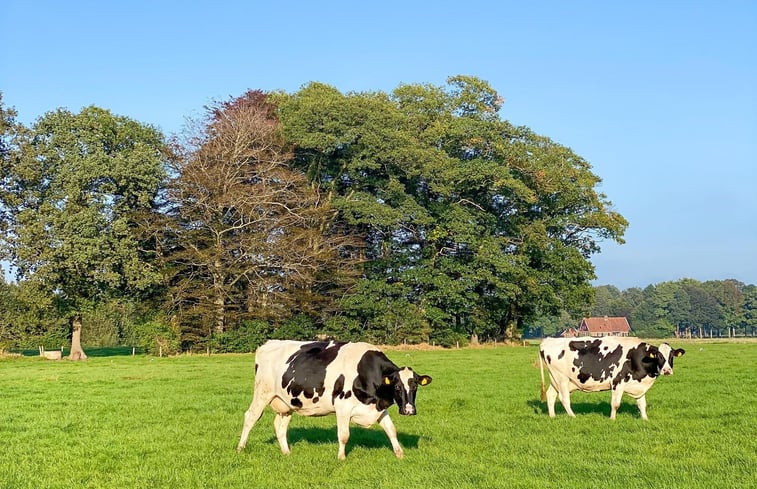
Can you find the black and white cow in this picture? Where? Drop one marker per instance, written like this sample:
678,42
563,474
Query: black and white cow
354,380
623,365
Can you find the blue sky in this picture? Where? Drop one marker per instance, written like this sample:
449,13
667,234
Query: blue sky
660,97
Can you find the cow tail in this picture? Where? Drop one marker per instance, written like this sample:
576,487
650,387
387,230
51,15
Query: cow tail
541,371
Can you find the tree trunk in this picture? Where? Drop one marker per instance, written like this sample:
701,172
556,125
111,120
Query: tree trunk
76,350
219,303
510,324
510,329
220,306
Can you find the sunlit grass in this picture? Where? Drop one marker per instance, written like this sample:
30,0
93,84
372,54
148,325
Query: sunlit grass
174,422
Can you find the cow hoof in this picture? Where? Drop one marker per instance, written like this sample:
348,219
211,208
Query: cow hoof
399,453
239,449
342,456
286,452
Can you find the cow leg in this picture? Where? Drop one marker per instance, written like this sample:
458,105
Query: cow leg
551,398
251,417
280,424
565,400
642,403
617,396
343,432
391,432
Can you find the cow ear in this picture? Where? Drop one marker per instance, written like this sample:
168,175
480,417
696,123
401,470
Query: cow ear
387,381
652,354
424,380
679,352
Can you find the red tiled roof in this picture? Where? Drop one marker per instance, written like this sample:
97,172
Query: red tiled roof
606,325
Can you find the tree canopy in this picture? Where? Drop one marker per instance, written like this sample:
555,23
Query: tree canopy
412,215
242,234
472,225
682,307
71,188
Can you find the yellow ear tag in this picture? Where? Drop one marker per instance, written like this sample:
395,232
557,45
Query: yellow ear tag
678,354
652,355
424,381
387,381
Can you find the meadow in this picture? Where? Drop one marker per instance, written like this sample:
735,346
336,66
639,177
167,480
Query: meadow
146,422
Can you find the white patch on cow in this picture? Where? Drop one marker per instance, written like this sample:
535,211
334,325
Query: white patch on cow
406,374
667,368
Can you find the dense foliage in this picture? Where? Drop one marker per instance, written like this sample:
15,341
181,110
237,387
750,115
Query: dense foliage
683,308
415,215
471,225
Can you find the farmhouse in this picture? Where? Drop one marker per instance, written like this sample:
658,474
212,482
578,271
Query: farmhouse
600,326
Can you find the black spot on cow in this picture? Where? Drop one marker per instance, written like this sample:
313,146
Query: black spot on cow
549,359
348,394
256,368
296,402
562,354
338,388
641,361
316,399
307,368
582,345
369,385
592,363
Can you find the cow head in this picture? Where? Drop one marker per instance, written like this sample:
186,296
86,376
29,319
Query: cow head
404,383
664,356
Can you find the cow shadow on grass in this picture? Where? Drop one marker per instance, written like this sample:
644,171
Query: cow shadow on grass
359,437
599,407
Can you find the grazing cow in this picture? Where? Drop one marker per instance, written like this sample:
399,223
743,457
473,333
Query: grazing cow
354,380
623,365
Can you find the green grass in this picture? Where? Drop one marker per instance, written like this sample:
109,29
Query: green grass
142,422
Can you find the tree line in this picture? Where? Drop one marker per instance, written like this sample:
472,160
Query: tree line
682,308
414,215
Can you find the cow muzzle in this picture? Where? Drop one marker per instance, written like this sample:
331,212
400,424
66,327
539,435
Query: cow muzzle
408,410
667,371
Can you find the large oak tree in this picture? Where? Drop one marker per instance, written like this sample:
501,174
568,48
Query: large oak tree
71,187
472,224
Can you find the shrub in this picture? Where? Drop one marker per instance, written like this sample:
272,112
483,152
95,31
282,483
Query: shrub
157,335
246,337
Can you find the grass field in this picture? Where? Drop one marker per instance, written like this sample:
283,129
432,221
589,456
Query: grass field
143,422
